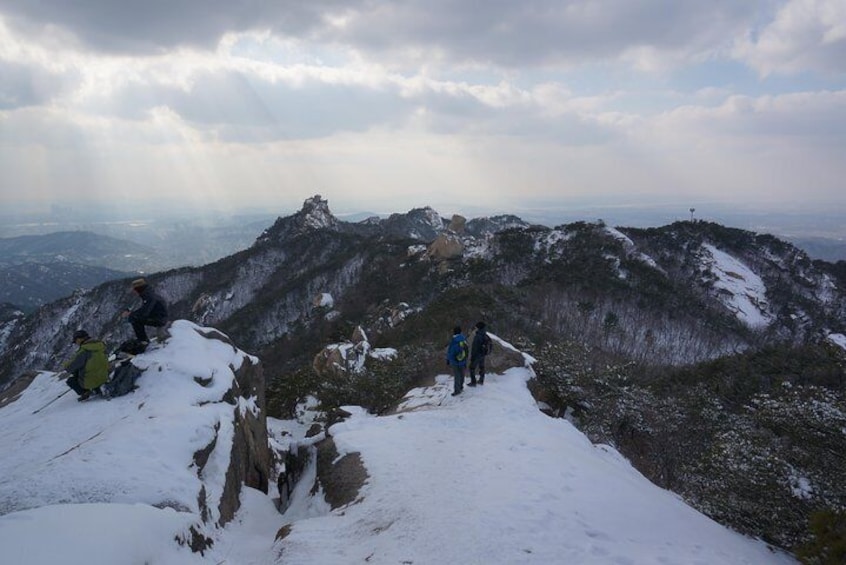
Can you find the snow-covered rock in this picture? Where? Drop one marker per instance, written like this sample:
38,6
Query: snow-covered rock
175,452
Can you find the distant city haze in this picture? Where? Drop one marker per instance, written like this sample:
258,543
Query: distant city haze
186,236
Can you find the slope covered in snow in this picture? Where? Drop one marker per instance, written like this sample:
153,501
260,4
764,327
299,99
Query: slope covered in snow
84,480
740,289
486,478
483,477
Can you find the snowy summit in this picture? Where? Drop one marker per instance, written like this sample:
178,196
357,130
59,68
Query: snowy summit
481,478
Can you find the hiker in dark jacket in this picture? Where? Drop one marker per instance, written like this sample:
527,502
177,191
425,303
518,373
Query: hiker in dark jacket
456,357
89,367
152,312
478,351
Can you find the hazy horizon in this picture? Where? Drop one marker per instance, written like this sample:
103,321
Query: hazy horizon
816,223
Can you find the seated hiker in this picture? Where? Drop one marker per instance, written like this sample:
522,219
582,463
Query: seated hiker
88,368
152,312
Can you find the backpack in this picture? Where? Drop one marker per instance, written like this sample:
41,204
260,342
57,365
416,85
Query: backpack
122,381
461,355
486,346
131,346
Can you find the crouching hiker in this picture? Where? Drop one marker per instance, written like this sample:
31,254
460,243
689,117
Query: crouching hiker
89,368
152,312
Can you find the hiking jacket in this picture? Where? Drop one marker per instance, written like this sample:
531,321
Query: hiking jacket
453,351
89,364
153,308
478,339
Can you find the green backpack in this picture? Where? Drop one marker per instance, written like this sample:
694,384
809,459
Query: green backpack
462,351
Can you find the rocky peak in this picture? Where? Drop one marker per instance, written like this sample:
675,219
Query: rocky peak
479,227
314,215
423,224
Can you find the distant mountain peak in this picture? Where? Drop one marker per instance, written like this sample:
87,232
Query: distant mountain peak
314,215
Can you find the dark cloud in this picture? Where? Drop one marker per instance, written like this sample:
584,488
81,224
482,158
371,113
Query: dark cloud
501,32
512,34
151,26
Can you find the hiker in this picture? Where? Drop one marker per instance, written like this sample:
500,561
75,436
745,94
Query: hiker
456,357
89,368
478,351
152,312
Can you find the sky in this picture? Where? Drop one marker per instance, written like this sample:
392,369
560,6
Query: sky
388,106
484,477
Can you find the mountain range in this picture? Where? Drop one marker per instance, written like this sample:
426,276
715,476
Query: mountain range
613,315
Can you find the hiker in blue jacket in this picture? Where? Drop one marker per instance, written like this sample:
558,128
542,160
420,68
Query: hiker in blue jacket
456,357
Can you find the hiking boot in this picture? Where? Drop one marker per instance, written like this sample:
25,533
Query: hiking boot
456,393
472,383
481,381
84,396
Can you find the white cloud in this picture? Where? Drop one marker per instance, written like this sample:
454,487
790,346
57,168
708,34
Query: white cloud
804,35
396,100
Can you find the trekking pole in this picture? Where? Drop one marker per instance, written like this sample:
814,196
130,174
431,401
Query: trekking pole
52,401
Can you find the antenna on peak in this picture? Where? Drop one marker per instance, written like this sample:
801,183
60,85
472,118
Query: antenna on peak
692,210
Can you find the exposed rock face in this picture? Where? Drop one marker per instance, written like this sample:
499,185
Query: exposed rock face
446,246
250,463
342,478
457,224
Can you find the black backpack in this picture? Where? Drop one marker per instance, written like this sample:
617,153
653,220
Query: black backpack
122,381
131,346
487,345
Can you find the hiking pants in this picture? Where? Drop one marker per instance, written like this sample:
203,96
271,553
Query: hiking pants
140,331
73,382
479,362
458,371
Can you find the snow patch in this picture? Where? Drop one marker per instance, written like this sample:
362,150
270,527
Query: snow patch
383,353
739,289
618,235
837,339
324,300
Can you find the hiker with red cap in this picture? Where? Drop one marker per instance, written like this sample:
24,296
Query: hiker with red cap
152,312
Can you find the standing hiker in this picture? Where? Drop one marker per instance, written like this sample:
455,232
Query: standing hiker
152,312
456,357
89,367
478,351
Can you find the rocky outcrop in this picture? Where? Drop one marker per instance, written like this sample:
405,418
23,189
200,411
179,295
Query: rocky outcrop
342,358
250,459
457,224
341,478
448,245
198,411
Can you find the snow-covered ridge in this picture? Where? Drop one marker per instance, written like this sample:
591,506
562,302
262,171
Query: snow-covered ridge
524,489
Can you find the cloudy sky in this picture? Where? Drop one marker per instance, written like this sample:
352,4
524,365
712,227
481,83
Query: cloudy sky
385,106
